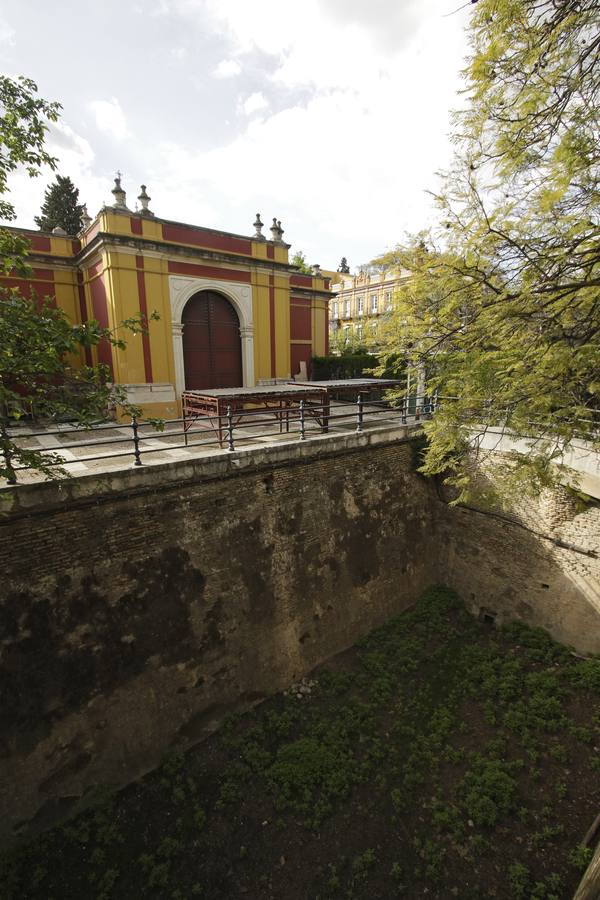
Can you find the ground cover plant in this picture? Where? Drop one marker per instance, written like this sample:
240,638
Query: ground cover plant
440,757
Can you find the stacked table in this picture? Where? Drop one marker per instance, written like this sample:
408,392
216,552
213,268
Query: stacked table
352,387
212,405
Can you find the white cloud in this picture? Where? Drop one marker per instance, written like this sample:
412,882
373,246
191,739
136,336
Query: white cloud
340,128
391,23
256,102
110,117
348,169
227,68
75,158
161,8
7,34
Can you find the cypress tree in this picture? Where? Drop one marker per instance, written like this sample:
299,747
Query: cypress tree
60,207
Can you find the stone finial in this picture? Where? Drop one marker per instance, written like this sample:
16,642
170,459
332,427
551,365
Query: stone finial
316,270
343,267
144,201
58,230
86,219
258,227
276,231
119,194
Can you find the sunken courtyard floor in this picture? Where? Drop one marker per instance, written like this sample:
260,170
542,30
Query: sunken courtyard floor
440,757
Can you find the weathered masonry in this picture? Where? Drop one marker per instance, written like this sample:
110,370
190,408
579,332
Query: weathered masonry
137,608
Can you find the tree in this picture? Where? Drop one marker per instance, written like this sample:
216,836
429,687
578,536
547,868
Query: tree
40,349
503,309
60,207
299,259
40,371
23,126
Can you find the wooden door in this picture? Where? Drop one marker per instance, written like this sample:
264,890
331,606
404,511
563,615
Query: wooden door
212,351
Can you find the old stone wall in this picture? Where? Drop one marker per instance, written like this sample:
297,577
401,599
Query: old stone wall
539,563
135,612
137,608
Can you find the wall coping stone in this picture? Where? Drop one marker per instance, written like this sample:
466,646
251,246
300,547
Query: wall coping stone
21,500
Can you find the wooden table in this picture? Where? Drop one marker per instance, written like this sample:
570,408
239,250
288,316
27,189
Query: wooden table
352,387
212,404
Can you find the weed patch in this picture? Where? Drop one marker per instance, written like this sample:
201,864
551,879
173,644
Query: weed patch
437,756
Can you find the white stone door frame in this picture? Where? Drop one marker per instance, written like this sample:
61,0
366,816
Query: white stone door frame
181,289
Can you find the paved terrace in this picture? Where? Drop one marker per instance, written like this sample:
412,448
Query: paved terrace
111,448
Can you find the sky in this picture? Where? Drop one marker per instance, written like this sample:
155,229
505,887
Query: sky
331,115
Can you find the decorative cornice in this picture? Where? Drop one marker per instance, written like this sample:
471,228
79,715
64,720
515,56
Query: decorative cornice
141,245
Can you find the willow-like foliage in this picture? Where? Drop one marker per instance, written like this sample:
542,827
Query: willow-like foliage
503,310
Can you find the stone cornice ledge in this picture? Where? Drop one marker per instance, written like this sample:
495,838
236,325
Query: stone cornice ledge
83,490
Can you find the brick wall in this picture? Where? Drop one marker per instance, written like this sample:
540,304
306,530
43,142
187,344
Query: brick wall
539,563
138,612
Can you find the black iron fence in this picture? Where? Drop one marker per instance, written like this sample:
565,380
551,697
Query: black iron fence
131,440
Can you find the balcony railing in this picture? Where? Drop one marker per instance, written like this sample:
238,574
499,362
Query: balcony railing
130,441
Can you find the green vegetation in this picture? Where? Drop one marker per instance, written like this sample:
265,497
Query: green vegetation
61,207
350,363
299,259
46,366
439,754
503,311
24,119
38,349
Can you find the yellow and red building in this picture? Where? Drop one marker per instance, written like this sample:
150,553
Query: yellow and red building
231,308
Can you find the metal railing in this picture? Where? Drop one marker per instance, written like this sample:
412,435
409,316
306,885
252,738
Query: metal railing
225,432
485,414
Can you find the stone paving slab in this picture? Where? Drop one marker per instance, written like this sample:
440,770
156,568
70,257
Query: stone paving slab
156,445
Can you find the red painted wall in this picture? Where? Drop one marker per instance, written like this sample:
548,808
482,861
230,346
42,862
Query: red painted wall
83,314
202,237
100,310
300,323
39,243
141,282
300,353
40,285
301,280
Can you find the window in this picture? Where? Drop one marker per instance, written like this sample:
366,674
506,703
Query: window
346,309
361,305
388,301
374,303
336,310
359,332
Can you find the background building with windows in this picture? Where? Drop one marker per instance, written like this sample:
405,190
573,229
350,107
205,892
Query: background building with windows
358,302
232,311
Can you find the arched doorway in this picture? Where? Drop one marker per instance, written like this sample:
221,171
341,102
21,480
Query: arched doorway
212,352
